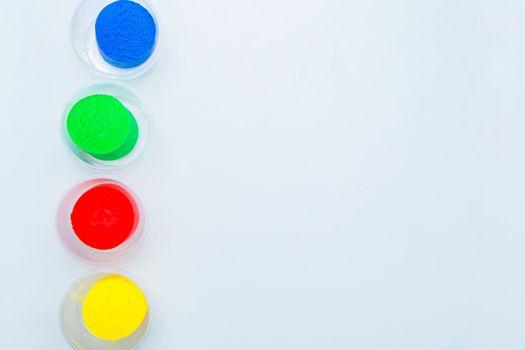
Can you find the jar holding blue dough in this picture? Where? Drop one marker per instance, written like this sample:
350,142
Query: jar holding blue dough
116,38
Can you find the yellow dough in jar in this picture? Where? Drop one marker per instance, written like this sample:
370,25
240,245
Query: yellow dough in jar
114,308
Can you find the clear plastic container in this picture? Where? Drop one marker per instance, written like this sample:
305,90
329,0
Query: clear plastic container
85,44
133,103
79,249
74,328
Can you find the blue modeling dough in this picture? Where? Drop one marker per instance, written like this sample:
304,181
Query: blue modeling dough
126,34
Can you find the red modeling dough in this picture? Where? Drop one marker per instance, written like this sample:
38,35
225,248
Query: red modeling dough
104,216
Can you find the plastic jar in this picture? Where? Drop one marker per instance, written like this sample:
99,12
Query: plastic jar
88,42
106,310
124,100
101,221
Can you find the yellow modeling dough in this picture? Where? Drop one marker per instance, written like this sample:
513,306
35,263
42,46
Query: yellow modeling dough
114,308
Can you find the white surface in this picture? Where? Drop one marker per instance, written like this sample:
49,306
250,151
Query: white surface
328,174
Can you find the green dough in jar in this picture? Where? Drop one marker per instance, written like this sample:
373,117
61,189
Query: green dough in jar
103,127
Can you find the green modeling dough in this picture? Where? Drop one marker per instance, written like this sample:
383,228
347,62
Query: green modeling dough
101,126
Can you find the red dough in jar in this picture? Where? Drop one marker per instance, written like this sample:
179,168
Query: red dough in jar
104,217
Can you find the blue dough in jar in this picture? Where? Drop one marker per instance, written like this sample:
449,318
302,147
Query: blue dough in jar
126,34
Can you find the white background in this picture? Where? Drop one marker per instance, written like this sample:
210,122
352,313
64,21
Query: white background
328,174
